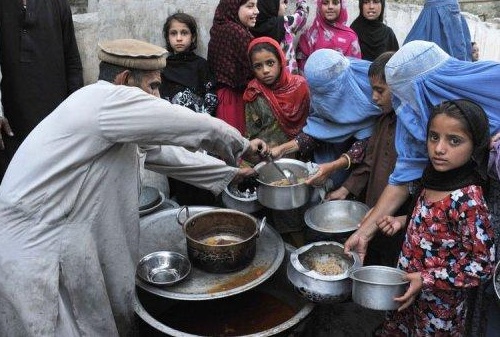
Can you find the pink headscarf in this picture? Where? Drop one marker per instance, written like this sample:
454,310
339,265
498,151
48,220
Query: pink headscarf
325,35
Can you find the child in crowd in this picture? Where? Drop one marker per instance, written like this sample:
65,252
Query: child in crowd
227,56
449,245
374,36
186,80
276,102
475,52
369,178
273,22
329,31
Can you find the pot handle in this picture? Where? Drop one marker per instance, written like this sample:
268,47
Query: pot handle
261,226
179,214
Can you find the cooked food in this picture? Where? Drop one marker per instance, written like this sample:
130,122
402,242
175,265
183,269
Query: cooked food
219,240
327,265
285,182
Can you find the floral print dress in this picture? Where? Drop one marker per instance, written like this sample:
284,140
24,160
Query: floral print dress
450,242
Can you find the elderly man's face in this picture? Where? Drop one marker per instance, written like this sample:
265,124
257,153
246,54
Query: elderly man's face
150,82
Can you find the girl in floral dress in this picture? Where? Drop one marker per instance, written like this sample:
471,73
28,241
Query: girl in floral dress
273,22
449,246
328,31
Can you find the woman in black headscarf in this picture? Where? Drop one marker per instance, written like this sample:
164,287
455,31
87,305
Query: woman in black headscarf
374,36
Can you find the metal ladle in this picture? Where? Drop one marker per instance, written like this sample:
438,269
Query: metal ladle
289,176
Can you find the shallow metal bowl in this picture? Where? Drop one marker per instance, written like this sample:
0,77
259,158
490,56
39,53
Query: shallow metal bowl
375,287
163,268
336,217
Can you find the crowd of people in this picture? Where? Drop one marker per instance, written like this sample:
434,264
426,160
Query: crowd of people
413,131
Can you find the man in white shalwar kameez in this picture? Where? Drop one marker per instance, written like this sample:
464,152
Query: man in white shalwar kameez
69,223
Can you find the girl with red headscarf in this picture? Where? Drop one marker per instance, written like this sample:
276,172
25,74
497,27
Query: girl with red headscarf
328,31
276,102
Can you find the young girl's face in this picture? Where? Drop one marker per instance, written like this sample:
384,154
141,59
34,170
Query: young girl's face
282,9
266,67
248,13
372,9
179,36
448,143
330,10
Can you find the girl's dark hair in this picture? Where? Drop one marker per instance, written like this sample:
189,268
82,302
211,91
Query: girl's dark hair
474,121
264,46
186,19
377,68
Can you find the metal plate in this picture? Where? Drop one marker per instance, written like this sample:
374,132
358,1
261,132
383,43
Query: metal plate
160,231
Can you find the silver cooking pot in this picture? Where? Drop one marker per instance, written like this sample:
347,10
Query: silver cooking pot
284,197
318,287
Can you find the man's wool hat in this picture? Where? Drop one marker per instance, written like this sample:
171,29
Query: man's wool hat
132,54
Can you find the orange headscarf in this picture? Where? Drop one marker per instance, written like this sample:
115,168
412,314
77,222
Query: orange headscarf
288,97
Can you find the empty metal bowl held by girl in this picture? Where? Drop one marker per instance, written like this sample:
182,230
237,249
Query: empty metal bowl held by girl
375,287
163,268
320,271
275,191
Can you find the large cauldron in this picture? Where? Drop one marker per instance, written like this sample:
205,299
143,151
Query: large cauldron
157,316
220,240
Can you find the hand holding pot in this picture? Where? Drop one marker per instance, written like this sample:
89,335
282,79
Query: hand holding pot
416,284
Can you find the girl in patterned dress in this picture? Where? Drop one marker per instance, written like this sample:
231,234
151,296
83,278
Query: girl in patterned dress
449,246
273,22
328,31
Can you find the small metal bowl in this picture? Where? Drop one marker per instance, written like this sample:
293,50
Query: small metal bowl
163,268
496,280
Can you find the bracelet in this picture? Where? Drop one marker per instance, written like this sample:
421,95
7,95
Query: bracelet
348,160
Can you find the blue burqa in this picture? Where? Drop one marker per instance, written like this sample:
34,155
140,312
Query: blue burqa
422,75
441,22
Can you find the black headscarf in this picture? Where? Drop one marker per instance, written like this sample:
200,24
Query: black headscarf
474,171
268,22
373,35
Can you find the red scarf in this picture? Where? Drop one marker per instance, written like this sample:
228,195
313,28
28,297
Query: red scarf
288,97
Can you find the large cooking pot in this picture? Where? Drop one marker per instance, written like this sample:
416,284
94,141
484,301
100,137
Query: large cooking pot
283,197
311,271
220,240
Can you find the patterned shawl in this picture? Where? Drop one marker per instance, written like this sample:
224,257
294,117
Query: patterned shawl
288,97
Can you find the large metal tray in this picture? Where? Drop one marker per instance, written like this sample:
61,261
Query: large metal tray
160,231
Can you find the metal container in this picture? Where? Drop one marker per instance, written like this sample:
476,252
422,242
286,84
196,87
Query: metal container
375,287
496,280
163,268
221,240
151,309
335,217
240,201
282,197
319,287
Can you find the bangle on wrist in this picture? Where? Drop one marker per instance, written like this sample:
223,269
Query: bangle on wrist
346,156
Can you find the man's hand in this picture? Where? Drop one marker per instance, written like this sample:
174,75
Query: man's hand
243,172
256,150
339,194
415,287
4,128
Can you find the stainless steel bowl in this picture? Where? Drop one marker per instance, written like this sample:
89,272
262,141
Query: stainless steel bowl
375,287
336,217
322,287
163,268
282,197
